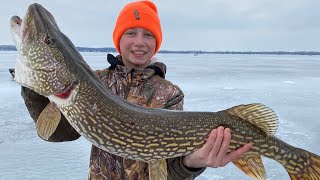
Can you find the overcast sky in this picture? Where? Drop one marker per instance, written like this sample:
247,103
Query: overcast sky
212,25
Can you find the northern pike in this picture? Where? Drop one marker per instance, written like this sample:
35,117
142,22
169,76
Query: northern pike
49,64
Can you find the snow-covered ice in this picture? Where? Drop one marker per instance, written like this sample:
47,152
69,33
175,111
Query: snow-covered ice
290,85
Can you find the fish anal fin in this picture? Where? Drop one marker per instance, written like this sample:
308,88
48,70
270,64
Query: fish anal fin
158,170
252,166
48,121
257,114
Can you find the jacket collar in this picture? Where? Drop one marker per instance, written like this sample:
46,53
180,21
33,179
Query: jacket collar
157,68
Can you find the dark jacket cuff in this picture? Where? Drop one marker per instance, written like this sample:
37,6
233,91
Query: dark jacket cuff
181,171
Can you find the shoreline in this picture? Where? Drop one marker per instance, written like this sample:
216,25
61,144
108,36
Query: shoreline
194,52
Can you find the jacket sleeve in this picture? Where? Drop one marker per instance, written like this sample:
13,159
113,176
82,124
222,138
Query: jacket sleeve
176,169
35,104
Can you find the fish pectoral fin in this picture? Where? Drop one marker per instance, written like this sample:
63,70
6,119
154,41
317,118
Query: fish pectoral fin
158,170
257,114
252,166
48,121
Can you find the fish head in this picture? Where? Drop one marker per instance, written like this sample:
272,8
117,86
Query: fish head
43,63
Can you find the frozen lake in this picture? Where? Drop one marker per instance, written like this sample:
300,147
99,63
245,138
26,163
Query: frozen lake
290,85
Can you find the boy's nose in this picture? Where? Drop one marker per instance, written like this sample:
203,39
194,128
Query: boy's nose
139,40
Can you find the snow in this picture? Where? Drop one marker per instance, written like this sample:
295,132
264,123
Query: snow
290,85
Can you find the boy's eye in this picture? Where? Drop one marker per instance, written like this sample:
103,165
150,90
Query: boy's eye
149,35
130,33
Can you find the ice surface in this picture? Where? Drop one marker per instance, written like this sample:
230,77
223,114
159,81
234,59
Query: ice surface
290,85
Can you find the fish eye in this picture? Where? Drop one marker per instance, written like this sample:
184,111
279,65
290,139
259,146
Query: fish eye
49,41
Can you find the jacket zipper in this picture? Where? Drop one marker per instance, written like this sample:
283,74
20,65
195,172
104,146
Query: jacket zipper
129,84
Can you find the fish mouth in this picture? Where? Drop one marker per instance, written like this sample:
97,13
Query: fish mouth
15,25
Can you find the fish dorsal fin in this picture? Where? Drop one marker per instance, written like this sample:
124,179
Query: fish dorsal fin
251,166
48,121
158,170
258,114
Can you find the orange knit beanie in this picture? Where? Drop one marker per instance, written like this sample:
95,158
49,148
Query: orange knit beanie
140,14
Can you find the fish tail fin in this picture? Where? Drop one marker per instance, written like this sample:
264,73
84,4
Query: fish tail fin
307,166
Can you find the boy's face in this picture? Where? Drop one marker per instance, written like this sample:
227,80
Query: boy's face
137,46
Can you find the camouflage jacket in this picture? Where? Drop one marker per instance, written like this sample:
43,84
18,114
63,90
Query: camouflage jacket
145,87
